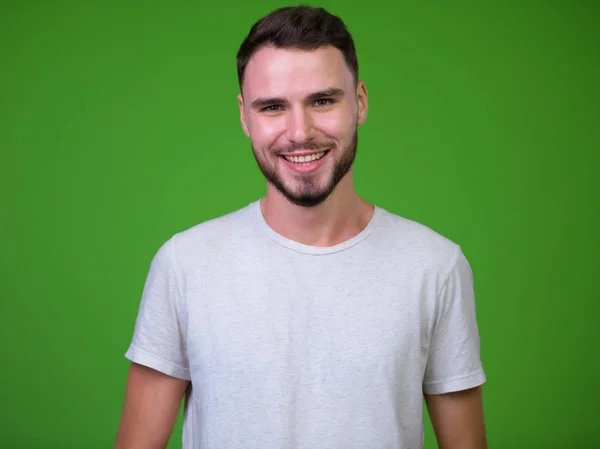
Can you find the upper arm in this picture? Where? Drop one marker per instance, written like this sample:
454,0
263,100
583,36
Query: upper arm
152,403
159,372
453,358
457,419
454,372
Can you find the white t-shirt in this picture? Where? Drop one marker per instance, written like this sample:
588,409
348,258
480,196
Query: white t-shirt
289,346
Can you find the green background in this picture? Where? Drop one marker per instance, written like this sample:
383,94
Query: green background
119,127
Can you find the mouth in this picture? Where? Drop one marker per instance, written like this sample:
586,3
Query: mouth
305,159
304,164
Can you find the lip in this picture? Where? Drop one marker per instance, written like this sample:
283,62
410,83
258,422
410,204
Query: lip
307,168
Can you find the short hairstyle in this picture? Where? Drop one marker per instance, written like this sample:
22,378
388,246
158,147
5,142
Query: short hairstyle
300,27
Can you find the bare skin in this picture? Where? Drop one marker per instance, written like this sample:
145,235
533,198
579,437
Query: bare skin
457,419
294,76
152,402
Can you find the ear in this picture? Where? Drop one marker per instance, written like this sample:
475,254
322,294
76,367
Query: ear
243,115
363,102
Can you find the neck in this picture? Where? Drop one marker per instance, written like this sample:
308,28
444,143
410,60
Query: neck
340,217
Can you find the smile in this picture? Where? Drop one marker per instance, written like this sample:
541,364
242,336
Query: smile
305,159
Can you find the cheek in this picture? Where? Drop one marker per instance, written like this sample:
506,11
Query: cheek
264,132
339,125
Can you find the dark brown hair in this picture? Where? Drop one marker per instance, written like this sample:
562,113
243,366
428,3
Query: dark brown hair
302,27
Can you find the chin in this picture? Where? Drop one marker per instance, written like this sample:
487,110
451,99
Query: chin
307,198
307,201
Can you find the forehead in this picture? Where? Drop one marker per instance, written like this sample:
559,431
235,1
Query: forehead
287,72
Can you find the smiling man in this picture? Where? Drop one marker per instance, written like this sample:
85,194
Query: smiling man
309,319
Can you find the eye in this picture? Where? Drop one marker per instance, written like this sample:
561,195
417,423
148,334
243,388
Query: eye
323,102
271,108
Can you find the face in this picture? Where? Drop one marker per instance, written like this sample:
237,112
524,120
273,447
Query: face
301,110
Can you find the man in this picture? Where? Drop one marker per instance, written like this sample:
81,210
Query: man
310,318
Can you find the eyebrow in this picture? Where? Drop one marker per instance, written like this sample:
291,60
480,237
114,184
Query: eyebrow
263,102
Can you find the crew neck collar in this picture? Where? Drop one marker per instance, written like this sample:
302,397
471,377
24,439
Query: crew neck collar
308,249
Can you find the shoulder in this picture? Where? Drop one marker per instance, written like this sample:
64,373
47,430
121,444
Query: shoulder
220,226
217,231
205,240
417,243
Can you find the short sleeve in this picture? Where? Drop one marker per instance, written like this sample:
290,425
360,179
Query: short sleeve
453,361
160,327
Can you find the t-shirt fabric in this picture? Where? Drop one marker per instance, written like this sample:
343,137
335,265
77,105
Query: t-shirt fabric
290,346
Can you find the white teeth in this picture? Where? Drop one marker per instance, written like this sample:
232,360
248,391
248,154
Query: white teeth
305,159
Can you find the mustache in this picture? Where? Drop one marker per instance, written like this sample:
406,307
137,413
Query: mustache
311,146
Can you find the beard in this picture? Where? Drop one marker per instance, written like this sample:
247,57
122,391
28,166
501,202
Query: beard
309,193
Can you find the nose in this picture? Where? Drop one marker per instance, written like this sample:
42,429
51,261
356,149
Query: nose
300,126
